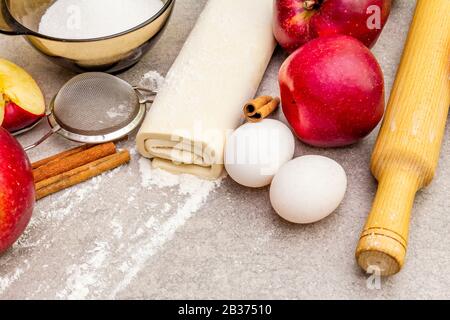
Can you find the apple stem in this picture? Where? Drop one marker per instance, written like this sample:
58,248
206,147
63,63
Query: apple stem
310,4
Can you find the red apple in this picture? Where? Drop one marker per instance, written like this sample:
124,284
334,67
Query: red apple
17,193
298,21
21,100
332,91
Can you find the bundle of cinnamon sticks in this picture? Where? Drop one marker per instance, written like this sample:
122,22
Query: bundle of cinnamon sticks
75,166
260,108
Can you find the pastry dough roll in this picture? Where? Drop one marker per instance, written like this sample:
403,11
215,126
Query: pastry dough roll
218,70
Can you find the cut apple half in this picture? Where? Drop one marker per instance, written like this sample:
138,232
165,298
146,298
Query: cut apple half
21,100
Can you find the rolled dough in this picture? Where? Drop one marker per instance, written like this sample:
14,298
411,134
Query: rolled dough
219,68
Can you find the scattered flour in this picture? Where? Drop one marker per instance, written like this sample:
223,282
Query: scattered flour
152,80
121,111
6,281
60,208
117,228
166,208
81,277
151,223
156,177
133,151
131,199
87,19
197,191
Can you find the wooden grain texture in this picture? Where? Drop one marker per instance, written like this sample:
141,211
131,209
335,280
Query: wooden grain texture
408,147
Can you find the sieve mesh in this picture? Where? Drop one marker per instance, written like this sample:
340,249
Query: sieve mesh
95,104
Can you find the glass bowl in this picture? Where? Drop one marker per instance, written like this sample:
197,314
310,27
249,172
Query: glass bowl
112,54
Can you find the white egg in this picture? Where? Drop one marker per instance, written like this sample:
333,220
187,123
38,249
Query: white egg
308,189
255,152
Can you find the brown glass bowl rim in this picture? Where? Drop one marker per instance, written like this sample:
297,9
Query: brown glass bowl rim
28,32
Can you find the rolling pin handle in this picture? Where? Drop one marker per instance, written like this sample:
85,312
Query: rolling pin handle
381,248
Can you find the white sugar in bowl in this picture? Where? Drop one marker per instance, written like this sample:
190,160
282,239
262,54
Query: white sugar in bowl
255,152
308,189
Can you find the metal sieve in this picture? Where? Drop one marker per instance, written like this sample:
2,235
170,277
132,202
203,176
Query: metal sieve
96,108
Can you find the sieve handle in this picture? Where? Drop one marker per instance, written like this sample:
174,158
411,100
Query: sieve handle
44,138
144,99
146,90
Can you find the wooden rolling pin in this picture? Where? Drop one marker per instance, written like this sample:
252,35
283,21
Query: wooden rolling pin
407,150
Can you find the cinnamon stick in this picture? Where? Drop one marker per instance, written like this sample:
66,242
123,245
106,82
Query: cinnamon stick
75,160
67,153
80,174
60,156
65,175
253,105
260,111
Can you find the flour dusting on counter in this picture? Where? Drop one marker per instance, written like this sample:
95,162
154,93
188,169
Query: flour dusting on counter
155,177
81,277
6,281
152,80
197,192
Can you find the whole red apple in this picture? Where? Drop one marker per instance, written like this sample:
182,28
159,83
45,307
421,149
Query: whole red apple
298,21
17,193
332,91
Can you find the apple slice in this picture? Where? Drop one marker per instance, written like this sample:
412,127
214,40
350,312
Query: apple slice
21,100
